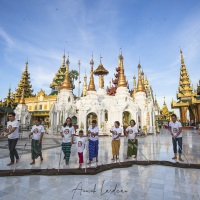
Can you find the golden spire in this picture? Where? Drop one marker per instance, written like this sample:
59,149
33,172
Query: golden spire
66,84
140,86
122,80
85,85
22,100
91,86
184,89
164,102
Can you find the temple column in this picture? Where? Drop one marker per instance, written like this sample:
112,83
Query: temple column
183,117
198,113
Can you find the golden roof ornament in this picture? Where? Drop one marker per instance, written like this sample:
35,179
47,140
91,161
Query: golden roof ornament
91,86
121,80
66,84
101,72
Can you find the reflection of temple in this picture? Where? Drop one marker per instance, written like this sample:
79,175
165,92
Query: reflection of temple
188,99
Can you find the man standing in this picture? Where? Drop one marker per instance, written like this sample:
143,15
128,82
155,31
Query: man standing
12,131
175,129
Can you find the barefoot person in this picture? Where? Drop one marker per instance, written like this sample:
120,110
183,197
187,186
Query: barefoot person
93,132
80,141
67,133
175,129
131,133
116,133
37,133
12,131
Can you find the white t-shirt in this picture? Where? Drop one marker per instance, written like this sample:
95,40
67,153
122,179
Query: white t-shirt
93,130
80,142
13,124
37,130
131,132
175,128
67,132
117,131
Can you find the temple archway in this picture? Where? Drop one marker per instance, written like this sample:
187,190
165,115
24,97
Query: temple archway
91,116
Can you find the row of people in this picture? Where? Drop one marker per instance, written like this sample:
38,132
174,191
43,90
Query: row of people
68,138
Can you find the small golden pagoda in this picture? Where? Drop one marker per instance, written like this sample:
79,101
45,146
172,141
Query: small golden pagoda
188,100
25,85
66,84
140,85
101,72
165,115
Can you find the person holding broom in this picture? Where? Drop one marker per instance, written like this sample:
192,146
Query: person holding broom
131,133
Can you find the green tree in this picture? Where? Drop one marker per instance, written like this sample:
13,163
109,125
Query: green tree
73,75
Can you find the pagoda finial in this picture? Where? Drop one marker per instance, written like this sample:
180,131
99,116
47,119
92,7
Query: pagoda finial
66,84
122,80
91,86
164,101
182,58
63,58
22,99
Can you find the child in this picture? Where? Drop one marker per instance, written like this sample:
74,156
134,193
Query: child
80,147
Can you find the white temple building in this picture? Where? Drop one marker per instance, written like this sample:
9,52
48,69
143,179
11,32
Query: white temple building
116,103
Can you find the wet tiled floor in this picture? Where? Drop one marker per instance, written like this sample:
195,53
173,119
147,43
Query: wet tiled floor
136,182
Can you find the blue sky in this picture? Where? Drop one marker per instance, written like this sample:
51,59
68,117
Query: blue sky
153,30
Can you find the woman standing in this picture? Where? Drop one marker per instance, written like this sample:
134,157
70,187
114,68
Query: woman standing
131,133
93,132
37,133
116,133
67,133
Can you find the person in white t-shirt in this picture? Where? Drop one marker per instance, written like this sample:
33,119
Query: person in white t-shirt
37,133
12,131
80,141
131,133
67,133
116,133
93,132
175,129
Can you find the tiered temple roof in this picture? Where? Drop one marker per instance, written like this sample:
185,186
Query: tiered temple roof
58,78
24,84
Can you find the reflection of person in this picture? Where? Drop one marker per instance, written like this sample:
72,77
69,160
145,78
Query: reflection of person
131,133
116,133
67,134
12,131
176,133
37,133
80,147
93,132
